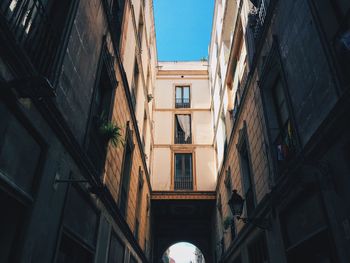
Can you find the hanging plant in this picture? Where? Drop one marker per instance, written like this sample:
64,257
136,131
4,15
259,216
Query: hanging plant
111,132
227,222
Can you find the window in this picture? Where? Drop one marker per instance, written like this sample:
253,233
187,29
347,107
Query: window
20,151
72,251
126,171
281,130
257,250
183,129
182,97
100,110
116,250
144,130
135,82
246,171
138,204
117,8
228,186
140,30
78,209
247,177
132,259
219,205
335,18
284,138
183,171
10,225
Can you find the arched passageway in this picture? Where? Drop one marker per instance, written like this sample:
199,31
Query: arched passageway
187,220
183,252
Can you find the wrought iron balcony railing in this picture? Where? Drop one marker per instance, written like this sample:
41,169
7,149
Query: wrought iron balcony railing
31,26
183,183
180,138
260,18
182,103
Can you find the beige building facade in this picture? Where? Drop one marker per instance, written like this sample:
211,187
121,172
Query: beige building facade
183,128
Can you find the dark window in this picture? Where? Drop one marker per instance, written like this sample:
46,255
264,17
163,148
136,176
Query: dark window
140,30
182,97
116,9
247,178
116,250
228,186
39,27
335,19
183,129
80,216
144,130
283,138
132,259
126,173
134,85
138,204
99,114
219,205
20,152
183,171
305,231
10,224
72,251
257,250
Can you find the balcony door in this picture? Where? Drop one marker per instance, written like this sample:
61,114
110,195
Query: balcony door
183,178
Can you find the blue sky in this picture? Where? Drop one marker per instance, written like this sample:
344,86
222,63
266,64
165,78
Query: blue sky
183,28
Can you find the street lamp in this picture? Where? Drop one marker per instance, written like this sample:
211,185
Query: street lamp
236,203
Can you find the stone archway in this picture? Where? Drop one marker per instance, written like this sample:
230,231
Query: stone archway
182,250
182,220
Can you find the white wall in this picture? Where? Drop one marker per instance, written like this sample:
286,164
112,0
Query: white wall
205,169
161,174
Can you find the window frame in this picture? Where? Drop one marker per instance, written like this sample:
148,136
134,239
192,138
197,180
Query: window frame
128,143
22,196
271,72
193,161
243,148
105,67
182,104
175,130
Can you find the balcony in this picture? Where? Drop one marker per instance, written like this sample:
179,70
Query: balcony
182,103
35,32
183,183
260,18
180,138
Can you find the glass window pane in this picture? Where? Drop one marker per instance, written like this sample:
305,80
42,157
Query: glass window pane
116,250
188,165
80,217
178,93
19,151
186,92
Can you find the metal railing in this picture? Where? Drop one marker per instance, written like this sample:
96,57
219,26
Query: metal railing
183,183
260,18
34,32
182,103
180,138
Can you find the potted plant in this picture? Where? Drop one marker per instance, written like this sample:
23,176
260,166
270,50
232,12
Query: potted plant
109,131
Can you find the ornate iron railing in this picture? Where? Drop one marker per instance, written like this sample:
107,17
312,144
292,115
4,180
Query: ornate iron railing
180,138
183,183
31,26
182,103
